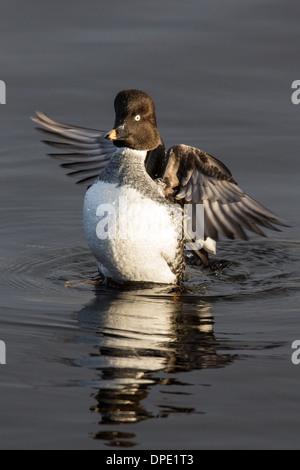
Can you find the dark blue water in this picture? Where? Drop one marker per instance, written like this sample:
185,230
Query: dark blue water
94,367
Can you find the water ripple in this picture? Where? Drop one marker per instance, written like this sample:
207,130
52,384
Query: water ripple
255,268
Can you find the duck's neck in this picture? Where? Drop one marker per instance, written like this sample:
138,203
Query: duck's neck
130,164
127,167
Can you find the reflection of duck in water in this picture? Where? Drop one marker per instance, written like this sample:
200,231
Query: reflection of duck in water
144,341
137,182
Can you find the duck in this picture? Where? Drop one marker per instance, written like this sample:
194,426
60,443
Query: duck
147,207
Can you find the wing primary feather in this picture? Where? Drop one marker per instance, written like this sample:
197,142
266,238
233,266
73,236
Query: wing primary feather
246,222
74,157
86,150
233,222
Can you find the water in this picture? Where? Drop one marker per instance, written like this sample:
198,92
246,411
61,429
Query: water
97,367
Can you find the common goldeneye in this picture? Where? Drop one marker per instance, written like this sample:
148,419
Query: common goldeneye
137,194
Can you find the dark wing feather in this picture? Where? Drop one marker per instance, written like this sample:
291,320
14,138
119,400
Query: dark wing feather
193,176
155,161
85,151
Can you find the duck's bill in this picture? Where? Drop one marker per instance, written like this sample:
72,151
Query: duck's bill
117,133
111,135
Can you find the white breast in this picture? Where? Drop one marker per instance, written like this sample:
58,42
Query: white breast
133,238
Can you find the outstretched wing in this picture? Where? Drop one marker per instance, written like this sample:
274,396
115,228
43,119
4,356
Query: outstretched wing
193,176
85,151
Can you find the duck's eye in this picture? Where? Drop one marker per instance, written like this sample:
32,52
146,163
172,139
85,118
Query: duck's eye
137,117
